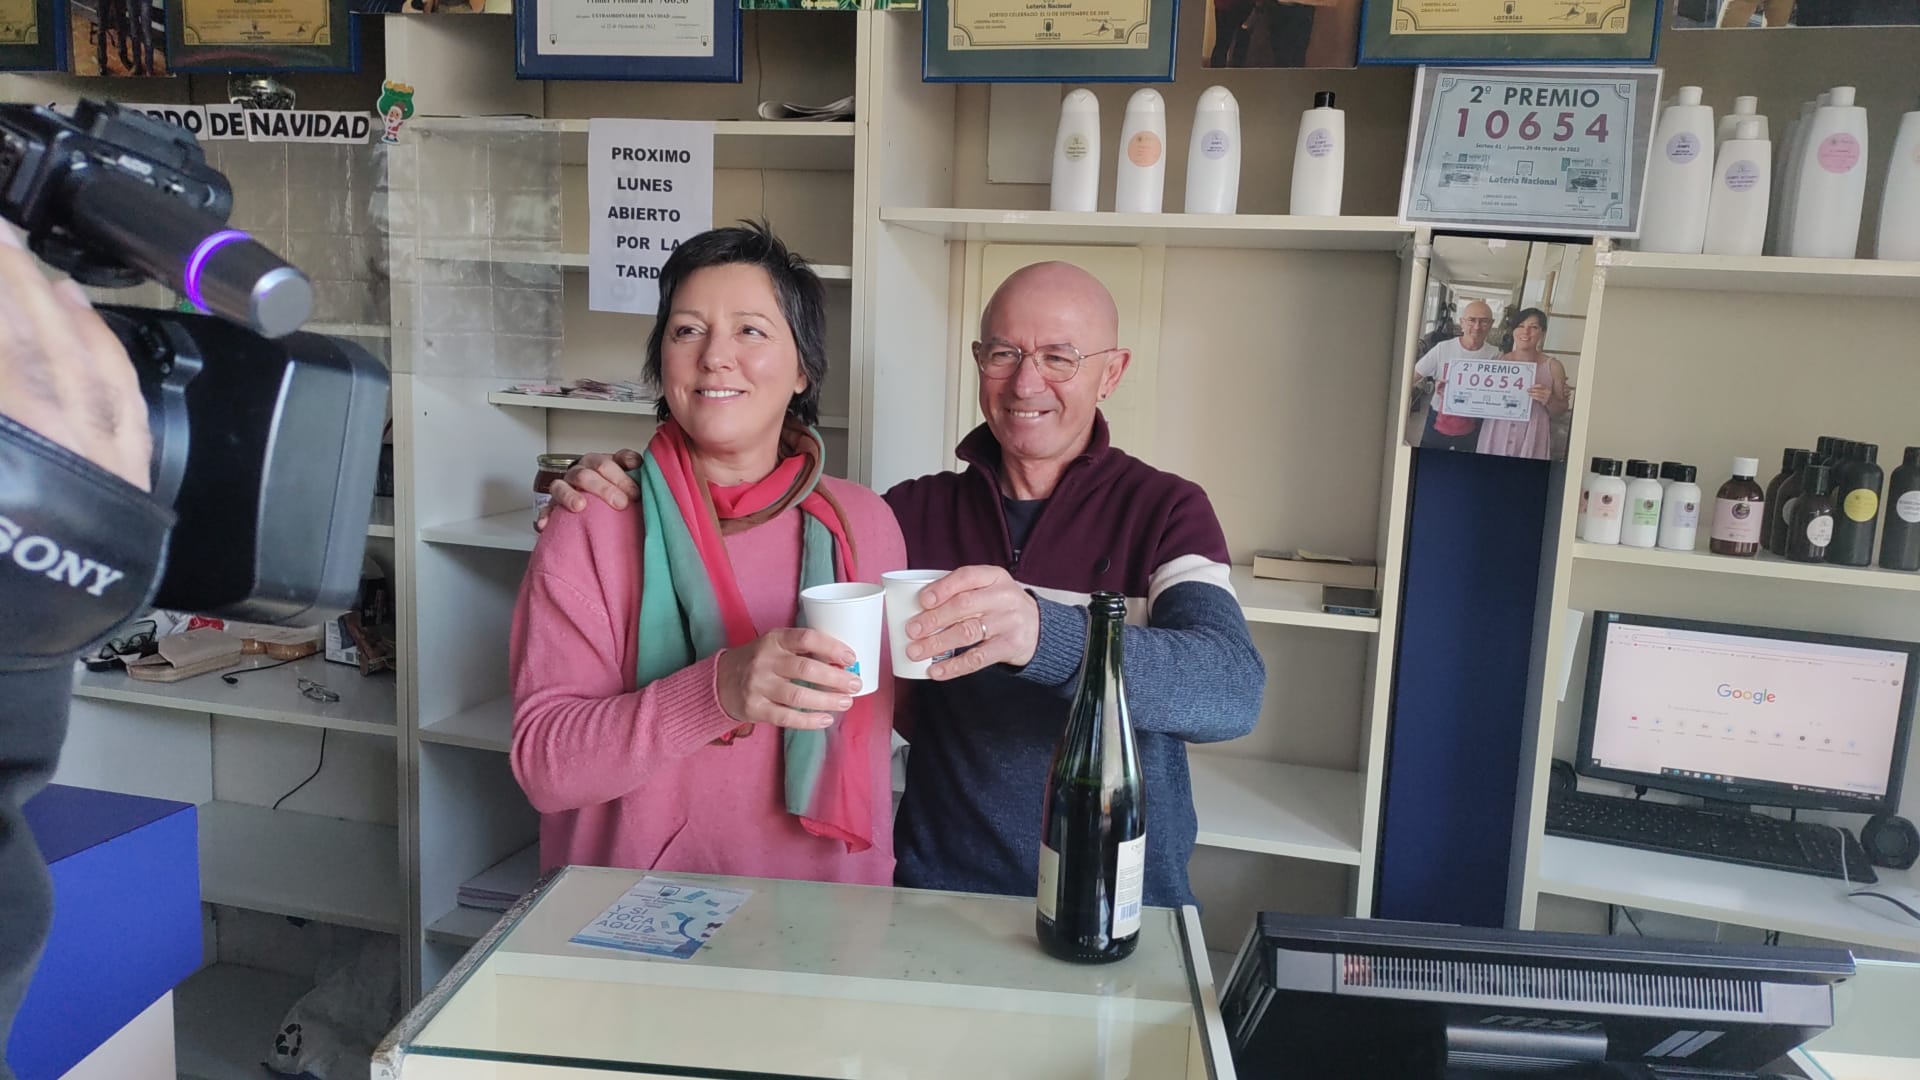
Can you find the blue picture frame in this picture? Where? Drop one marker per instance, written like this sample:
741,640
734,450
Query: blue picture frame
1155,63
723,66
1639,45
49,53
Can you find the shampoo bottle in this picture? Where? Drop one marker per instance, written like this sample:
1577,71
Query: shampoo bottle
1744,108
1594,471
1900,537
1319,159
1076,154
1856,498
1833,181
1680,511
1606,496
1792,460
1899,234
1673,217
1737,208
1213,154
1641,525
1141,176
1811,524
1786,175
1737,508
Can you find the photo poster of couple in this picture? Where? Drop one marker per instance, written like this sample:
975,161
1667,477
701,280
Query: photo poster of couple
1499,350
1281,34
1776,14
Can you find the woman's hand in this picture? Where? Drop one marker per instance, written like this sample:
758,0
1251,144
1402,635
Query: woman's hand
1540,393
978,606
603,476
759,682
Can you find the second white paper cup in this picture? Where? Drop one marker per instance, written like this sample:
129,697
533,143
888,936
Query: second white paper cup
903,603
851,612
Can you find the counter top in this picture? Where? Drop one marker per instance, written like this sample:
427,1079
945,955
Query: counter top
816,980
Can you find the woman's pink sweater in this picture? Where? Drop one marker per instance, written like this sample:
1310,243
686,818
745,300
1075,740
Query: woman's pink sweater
632,778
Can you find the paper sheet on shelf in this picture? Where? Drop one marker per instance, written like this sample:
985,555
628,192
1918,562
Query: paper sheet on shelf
662,917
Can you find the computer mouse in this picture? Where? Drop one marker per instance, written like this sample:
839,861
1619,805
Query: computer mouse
1895,902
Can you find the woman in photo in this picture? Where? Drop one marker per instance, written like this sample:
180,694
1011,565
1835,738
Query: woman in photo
668,714
1532,437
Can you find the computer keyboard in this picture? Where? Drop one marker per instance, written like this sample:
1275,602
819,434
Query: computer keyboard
1727,836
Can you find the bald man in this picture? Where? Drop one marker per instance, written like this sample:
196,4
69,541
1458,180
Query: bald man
1455,432
1046,512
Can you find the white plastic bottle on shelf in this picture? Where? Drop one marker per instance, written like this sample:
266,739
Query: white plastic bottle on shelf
1673,218
1744,108
1319,159
1140,179
1680,511
1786,175
1737,209
1833,181
1640,523
1606,499
1076,154
1213,154
1899,234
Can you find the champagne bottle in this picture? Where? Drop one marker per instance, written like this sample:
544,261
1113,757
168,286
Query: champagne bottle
1093,826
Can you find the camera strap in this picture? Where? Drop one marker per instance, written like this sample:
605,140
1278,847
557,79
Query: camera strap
80,550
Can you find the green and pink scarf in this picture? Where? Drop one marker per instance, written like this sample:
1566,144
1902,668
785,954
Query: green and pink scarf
691,605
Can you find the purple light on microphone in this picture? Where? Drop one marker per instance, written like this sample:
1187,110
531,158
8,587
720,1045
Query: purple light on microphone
198,261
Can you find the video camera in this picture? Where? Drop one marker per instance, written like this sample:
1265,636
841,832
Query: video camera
266,440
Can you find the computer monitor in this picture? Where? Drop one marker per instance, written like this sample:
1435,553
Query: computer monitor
1328,998
1748,714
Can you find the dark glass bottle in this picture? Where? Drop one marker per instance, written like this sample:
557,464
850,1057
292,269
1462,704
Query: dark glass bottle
1810,526
1792,461
1856,496
1093,825
1900,540
1738,508
1790,490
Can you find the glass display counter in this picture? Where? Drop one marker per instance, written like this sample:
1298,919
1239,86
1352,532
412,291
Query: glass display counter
813,980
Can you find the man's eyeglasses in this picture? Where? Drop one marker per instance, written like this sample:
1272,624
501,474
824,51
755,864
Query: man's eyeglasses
140,642
1057,363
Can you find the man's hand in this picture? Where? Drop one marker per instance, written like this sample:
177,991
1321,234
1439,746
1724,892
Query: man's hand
981,606
604,476
63,373
758,682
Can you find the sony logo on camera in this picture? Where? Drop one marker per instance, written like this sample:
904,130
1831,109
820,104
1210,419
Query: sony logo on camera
45,555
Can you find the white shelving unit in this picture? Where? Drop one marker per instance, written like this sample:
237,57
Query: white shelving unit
462,926
366,704
1254,231
486,726
303,865
1292,810
622,408
1736,325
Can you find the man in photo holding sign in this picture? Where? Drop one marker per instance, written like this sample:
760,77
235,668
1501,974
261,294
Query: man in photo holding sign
1535,386
1447,430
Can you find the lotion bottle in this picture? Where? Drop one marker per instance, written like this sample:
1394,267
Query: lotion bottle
1640,525
1673,217
1737,510
1680,511
1606,496
1744,108
1213,154
1899,234
1786,175
1076,154
1140,179
1742,182
1900,536
1319,159
1833,181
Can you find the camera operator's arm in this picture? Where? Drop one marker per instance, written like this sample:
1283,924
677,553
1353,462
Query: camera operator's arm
81,544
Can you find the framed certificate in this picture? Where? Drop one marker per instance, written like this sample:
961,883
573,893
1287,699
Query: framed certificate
261,35
1059,41
671,40
1529,150
1509,31
32,35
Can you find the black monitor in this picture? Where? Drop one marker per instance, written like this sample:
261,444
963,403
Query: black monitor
1748,714
1327,998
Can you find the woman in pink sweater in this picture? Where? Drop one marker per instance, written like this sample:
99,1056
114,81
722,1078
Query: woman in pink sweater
667,713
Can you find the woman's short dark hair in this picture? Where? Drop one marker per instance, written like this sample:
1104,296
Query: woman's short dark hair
1522,316
802,301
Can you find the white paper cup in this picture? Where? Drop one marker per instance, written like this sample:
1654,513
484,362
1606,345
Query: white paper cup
850,611
903,603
